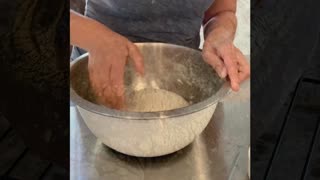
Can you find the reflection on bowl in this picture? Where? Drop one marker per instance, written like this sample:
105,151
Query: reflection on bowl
173,68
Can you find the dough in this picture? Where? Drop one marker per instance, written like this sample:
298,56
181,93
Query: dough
151,100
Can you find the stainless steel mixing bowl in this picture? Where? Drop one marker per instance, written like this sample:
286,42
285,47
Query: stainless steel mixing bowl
170,67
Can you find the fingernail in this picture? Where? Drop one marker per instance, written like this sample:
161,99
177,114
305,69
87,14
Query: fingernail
223,72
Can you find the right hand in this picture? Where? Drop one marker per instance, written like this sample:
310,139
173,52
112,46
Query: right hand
107,59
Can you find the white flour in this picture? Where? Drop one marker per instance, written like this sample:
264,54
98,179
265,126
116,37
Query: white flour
151,100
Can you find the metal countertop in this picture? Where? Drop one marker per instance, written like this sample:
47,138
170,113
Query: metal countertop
219,153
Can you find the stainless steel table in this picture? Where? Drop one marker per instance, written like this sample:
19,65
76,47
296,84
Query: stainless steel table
219,153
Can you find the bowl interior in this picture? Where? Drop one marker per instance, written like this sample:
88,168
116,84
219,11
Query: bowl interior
173,68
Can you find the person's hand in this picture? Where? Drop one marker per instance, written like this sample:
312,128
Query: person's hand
107,59
225,58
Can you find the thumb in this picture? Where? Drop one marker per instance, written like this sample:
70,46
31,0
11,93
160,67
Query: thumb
137,58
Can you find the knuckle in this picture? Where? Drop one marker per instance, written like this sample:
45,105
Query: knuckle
134,47
247,73
215,65
139,59
232,68
220,50
247,68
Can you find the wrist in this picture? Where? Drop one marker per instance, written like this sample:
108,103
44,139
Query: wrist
224,22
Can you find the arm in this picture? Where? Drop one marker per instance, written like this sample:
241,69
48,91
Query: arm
85,32
108,55
220,25
220,16
79,25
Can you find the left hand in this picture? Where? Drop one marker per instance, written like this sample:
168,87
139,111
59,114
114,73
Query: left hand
220,52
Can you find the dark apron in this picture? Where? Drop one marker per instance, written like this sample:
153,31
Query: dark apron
176,22
285,47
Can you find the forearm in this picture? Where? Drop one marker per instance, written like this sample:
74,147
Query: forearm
220,19
85,32
223,23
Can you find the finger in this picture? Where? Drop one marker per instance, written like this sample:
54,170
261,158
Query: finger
211,58
100,87
117,83
137,58
229,58
116,77
242,60
243,75
113,101
95,78
244,67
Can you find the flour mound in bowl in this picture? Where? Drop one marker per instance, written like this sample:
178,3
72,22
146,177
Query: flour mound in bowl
152,100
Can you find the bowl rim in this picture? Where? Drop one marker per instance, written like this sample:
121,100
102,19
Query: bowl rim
105,111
